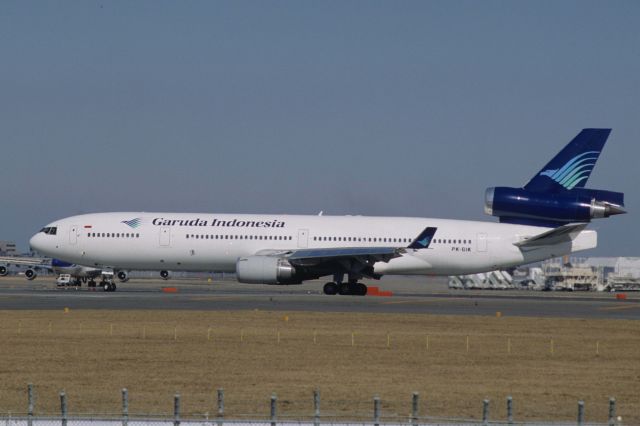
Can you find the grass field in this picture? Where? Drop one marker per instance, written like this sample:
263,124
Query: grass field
547,365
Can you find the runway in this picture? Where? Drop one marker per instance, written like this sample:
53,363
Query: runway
410,297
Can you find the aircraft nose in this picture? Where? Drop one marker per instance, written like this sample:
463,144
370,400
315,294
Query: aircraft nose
35,243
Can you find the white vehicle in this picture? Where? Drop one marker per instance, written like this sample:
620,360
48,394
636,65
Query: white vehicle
65,280
546,218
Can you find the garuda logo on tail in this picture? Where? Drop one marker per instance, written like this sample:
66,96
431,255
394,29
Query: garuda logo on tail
575,170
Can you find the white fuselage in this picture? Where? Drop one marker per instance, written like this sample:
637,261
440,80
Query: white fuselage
214,242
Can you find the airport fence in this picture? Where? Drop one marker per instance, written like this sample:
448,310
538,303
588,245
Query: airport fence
316,417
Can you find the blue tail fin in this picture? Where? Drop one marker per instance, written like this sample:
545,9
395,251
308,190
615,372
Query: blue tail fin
573,165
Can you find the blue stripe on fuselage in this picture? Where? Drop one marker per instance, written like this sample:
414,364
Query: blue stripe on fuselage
60,263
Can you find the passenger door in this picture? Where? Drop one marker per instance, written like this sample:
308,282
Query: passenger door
303,238
73,234
481,244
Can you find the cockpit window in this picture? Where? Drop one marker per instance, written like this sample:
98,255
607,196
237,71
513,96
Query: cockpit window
50,230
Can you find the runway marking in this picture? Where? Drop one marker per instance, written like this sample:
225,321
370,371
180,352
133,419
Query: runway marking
216,298
620,308
438,300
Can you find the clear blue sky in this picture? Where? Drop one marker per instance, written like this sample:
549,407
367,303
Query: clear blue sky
364,107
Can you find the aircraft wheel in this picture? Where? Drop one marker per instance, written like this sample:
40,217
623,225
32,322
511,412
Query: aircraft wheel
330,288
91,283
344,289
361,289
106,286
112,286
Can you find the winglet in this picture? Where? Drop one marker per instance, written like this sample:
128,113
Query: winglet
424,239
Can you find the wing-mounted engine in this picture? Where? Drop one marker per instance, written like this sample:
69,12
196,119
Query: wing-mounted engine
30,274
123,276
518,205
266,270
3,271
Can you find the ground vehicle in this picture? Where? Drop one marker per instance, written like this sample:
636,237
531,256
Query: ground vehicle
66,280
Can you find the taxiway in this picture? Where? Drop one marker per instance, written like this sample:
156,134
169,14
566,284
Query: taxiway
409,297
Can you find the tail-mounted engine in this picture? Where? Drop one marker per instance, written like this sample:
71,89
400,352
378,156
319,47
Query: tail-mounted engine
518,205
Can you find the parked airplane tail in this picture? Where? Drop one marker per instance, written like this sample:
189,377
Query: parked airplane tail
556,195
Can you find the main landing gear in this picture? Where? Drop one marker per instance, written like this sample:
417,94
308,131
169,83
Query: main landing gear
352,288
108,285
105,284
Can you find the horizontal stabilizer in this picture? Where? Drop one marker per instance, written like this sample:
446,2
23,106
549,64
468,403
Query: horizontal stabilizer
561,234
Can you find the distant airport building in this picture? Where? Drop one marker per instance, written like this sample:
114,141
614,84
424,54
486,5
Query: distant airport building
621,266
8,248
567,273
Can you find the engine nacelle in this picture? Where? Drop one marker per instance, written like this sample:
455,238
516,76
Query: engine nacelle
30,274
123,276
577,205
165,275
265,270
3,271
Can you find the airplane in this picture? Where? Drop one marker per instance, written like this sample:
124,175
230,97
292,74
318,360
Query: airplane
79,273
545,218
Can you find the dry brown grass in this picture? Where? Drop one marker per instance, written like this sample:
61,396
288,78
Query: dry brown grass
93,354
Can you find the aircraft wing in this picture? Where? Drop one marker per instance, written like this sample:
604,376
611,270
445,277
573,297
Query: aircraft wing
324,261
366,255
28,261
561,234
